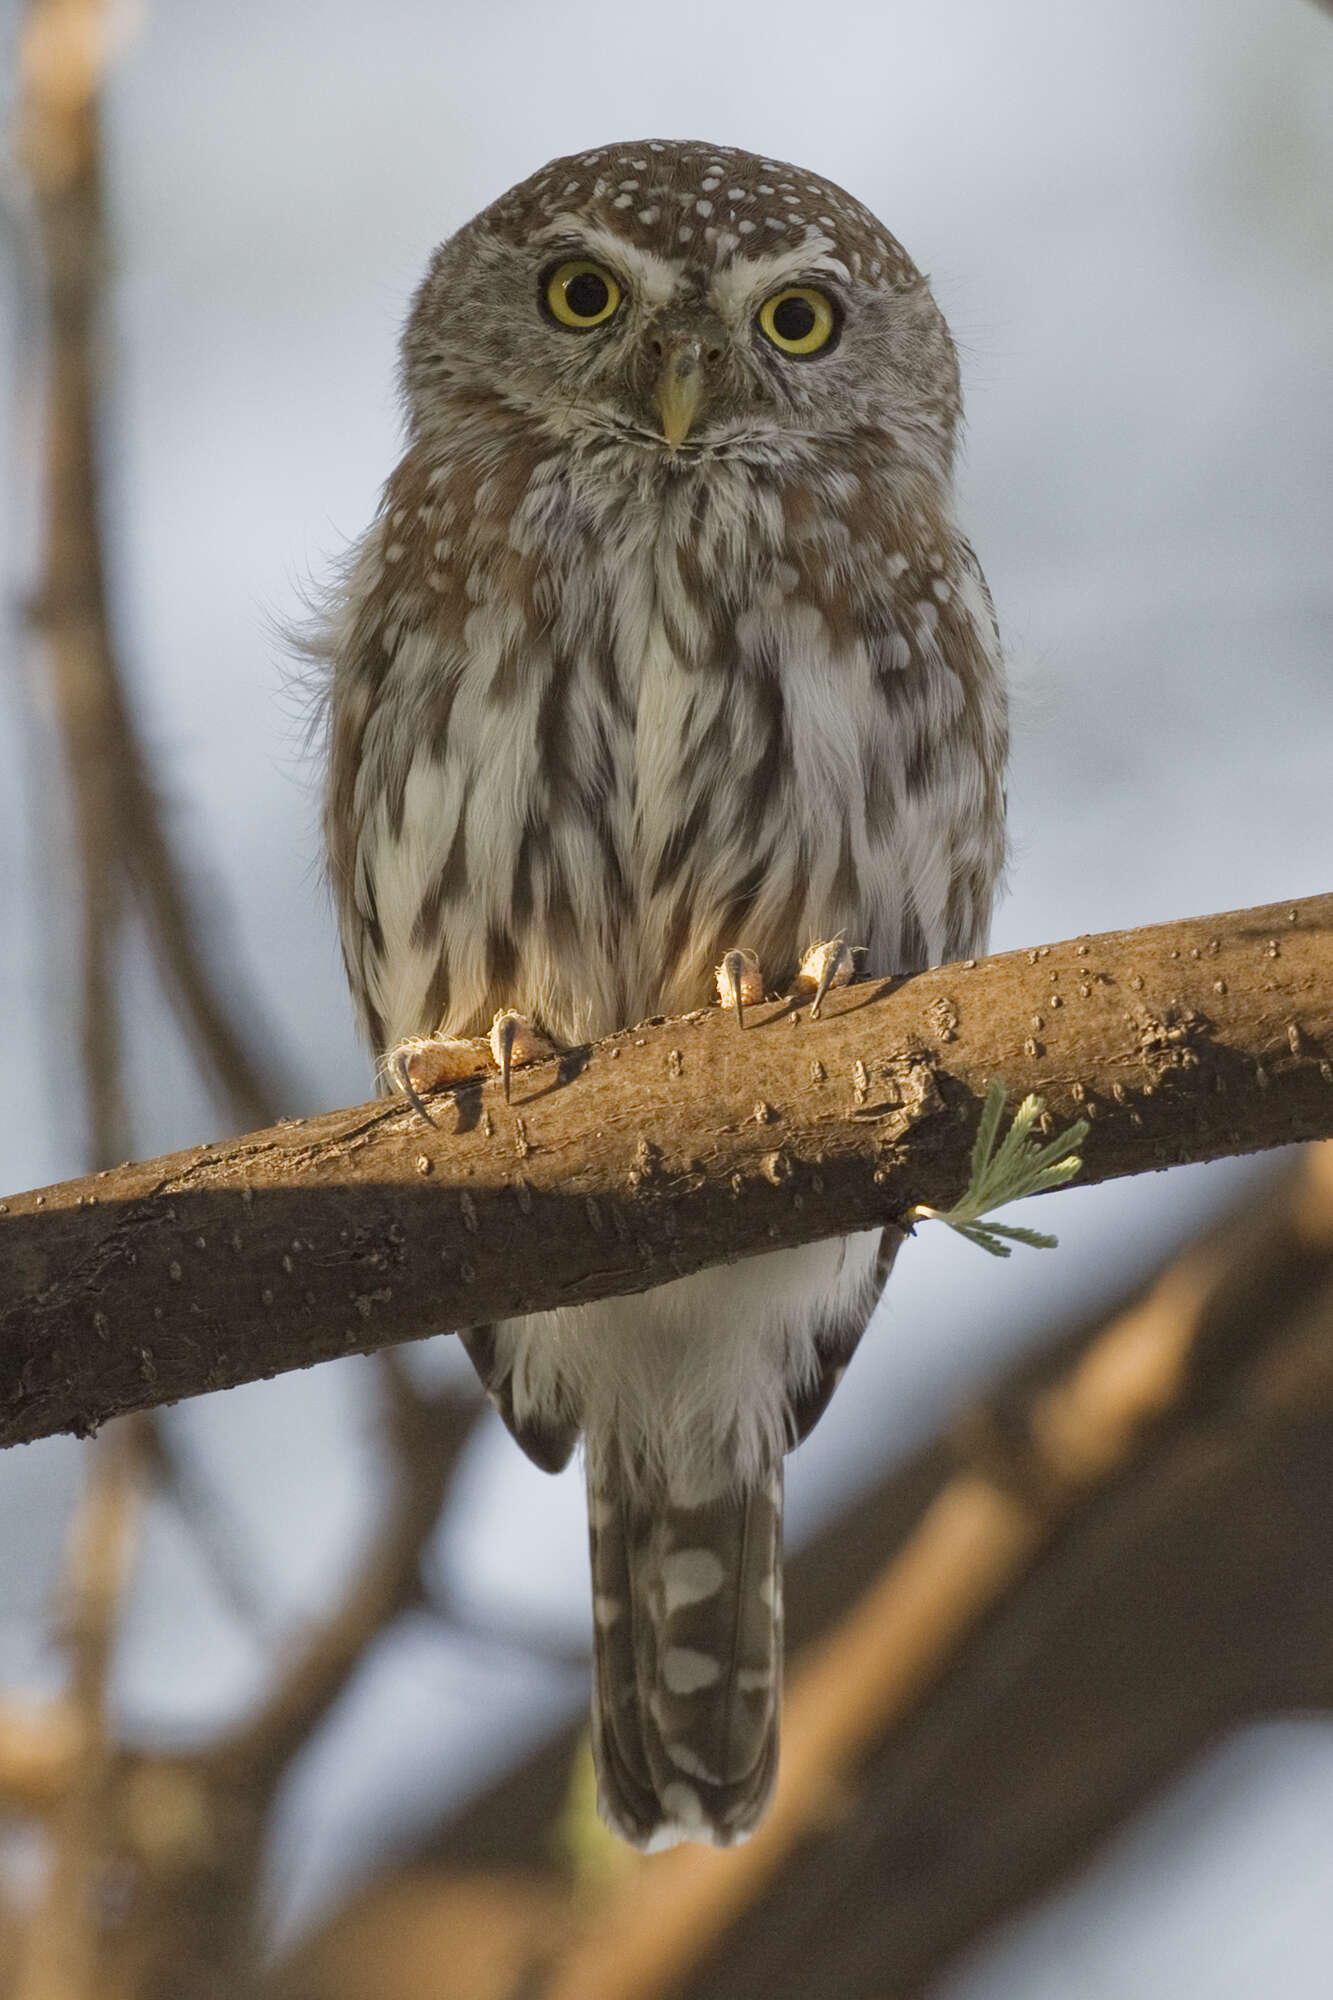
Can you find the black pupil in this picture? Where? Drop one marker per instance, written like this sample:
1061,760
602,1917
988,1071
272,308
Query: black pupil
587,295
793,319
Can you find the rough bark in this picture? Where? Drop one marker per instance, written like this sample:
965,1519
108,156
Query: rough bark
655,1153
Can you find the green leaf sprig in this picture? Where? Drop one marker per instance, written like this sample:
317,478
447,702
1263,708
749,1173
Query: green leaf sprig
1008,1169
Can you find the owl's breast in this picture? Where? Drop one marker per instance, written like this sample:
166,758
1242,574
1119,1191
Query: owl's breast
656,749
737,833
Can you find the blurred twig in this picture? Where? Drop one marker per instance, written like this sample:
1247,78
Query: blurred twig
185,1834
61,57
514,1635
197,1900
60,1951
121,845
177,1478
425,1434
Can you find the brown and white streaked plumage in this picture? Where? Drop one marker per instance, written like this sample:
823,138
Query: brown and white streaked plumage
664,643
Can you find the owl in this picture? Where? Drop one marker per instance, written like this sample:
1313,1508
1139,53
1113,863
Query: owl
664,666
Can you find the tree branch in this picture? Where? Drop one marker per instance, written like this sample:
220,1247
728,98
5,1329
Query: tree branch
655,1153
61,1944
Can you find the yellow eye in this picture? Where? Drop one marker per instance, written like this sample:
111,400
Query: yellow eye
580,294
799,320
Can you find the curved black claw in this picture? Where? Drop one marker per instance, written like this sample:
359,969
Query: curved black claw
834,960
733,967
825,981
409,1090
508,1028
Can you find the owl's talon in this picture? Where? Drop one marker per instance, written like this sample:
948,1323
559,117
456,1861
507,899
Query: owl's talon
514,1040
508,1028
827,964
408,1088
740,983
424,1063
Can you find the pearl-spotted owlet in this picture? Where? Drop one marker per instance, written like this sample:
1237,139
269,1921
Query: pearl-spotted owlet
664,666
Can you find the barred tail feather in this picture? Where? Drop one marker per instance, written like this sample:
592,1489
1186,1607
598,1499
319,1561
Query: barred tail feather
687,1686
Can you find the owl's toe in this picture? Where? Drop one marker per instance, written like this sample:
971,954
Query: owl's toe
514,1041
740,982
829,963
424,1063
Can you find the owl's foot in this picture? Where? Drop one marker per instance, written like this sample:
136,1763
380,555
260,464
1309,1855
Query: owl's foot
740,979
424,1063
824,965
432,1062
515,1041
740,983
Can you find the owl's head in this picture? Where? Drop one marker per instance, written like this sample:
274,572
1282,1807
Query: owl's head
688,301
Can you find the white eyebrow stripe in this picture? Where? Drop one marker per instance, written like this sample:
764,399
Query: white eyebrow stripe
746,280
652,279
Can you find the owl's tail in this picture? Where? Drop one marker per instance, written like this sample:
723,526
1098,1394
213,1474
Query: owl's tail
687,1689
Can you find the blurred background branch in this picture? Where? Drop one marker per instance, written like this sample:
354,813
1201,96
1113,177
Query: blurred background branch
122,850
60,1957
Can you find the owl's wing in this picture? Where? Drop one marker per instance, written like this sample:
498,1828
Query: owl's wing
971,563
835,1344
549,1437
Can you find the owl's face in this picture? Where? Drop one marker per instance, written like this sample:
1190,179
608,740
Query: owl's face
685,301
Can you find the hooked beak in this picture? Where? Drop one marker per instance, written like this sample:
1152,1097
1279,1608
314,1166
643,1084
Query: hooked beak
680,389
